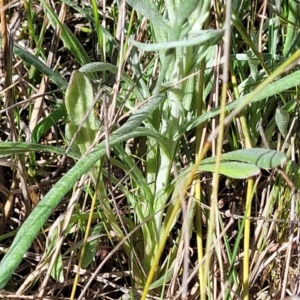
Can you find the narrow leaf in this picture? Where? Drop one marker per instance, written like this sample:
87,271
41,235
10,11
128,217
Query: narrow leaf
70,41
47,123
11,148
39,65
276,87
263,158
91,247
204,36
235,169
57,271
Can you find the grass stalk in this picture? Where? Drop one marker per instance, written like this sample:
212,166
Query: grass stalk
247,239
199,224
220,136
85,241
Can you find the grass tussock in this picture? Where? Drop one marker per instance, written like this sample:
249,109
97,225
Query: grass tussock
149,150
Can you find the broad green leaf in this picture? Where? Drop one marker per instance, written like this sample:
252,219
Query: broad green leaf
263,158
79,100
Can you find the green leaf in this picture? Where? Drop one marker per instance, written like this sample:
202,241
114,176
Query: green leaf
291,40
282,119
276,87
183,16
11,148
47,123
290,106
91,247
70,41
99,67
57,270
184,11
235,169
211,36
79,100
38,64
263,158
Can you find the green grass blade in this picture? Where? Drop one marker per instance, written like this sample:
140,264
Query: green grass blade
285,83
86,12
11,148
47,123
70,41
35,62
292,34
